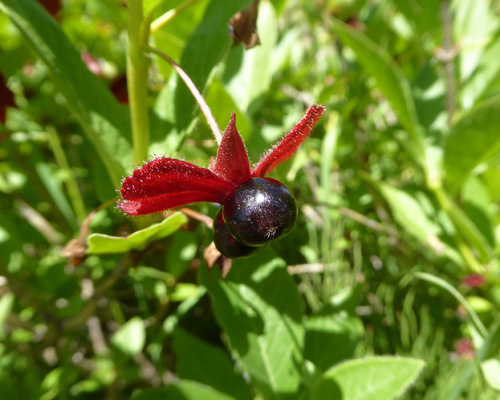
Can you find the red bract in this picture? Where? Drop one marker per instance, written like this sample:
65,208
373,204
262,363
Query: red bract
167,182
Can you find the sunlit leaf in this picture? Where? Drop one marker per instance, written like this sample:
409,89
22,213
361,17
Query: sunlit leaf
104,244
373,378
473,140
260,310
131,337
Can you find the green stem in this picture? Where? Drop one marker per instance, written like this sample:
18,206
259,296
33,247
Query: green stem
194,91
71,183
137,82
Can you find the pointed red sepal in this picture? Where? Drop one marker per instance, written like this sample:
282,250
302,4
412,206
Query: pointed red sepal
232,158
290,143
166,183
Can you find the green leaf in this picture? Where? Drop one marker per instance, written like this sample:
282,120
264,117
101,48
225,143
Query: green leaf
260,310
207,364
173,319
103,119
331,336
372,378
131,337
181,390
424,14
183,291
6,304
98,243
491,372
248,73
409,213
455,293
390,80
204,50
473,140
474,24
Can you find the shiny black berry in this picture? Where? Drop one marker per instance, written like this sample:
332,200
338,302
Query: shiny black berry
259,210
225,243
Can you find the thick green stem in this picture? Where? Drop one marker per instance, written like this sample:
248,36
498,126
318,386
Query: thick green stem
137,82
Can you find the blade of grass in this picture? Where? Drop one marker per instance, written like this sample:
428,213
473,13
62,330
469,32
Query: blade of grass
455,293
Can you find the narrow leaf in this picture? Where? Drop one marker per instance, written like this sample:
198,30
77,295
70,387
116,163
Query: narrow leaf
373,378
104,244
455,293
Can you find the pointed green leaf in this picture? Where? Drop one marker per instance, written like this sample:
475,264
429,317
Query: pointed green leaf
373,378
104,244
103,119
260,310
473,140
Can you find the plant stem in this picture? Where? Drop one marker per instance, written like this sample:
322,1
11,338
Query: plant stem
71,183
137,82
194,90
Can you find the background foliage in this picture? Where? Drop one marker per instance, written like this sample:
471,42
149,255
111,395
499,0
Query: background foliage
393,264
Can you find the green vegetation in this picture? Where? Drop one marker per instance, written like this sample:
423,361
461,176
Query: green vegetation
389,284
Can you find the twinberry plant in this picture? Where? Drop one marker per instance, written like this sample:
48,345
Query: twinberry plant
255,210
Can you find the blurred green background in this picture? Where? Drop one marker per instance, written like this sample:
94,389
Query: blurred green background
396,248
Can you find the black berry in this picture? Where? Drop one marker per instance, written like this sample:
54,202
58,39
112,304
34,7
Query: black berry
259,210
227,244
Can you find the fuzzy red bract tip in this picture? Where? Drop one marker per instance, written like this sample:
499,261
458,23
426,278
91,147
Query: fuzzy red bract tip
166,183
290,143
